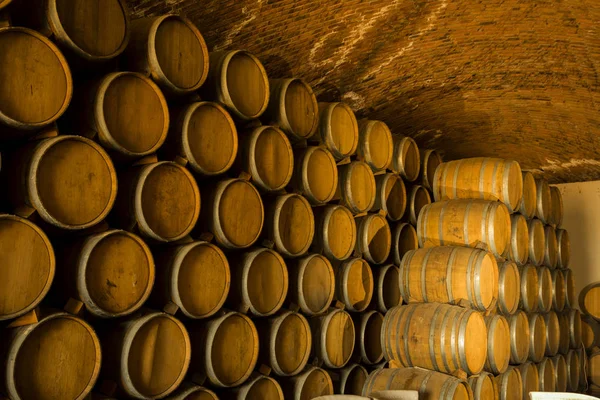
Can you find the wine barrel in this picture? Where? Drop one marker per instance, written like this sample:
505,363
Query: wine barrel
529,378
354,284
570,299
356,185
430,160
537,240
308,385
290,224
520,337
484,386
285,343
404,239
234,213
590,332
431,385
589,300
593,371
560,374
111,272
293,107
552,333
205,135
583,368
510,384
390,196
128,113
498,348
480,178
162,199
266,154
352,380
28,265
259,387
574,318
338,129
465,223
4,3
543,208
315,174
311,283
368,332
449,274
550,247
418,197
387,292
547,375
171,50
190,391
147,355
57,336
375,145
518,247
47,79
573,370
225,349
530,288
259,282
435,336
563,248
333,338
564,340
544,290
374,238
556,213
558,290
335,232
509,288
406,159
529,200
537,337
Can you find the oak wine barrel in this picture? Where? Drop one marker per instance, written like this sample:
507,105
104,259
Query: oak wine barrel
543,200
528,203
564,340
418,197
530,379
550,247
357,188
352,379
537,240
390,196
530,288
558,290
544,290
307,385
509,288
584,367
311,283
259,387
338,129
560,373
333,338
518,247
374,238
315,174
563,248
406,159
510,384
590,332
498,347
574,318
191,391
4,3
570,299
484,386
589,300
547,375
573,370
354,284
556,213
335,232
430,160
552,333
593,371
520,337
290,224
537,337
375,144
387,292
404,239
368,333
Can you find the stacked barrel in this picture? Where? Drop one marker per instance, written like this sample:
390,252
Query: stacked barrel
589,304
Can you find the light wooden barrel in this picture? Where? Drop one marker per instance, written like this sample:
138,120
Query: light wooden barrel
530,288
583,368
537,241
28,265
431,385
518,247
387,292
435,336
162,199
69,180
550,247
193,276
190,391
307,385
529,200
564,341
510,384
293,107
450,274
547,375
111,272
171,50
544,289
563,248
315,174
234,213
509,288
335,232
406,159
47,79
520,337
560,373
354,284
266,154
570,299
290,224
530,378
418,197
357,188
484,386
390,196
552,333
374,238
4,3
147,355
225,349
368,333
333,338
590,332
285,343
430,160
556,213
559,293
205,135
259,282
573,370
574,318
375,144
352,379
465,223
537,337
480,178
311,283
259,387
593,371
498,348
338,129
589,300
404,239
65,352
543,206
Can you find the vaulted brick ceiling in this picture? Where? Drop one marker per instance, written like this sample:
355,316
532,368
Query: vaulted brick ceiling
508,78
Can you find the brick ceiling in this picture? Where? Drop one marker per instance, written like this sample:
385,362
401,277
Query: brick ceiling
508,78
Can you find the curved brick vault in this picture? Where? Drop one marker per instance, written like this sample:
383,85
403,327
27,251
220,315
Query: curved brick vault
513,78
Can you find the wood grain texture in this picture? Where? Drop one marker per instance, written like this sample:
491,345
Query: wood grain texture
573,369
509,288
335,232
537,240
530,378
338,129
356,186
333,338
375,144
529,200
313,383
537,337
387,287
404,239
312,283
374,238
352,379
552,333
315,174
484,386
290,224
510,384
560,373
390,196
260,387
518,248
406,158
520,337
354,284
544,289
430,160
